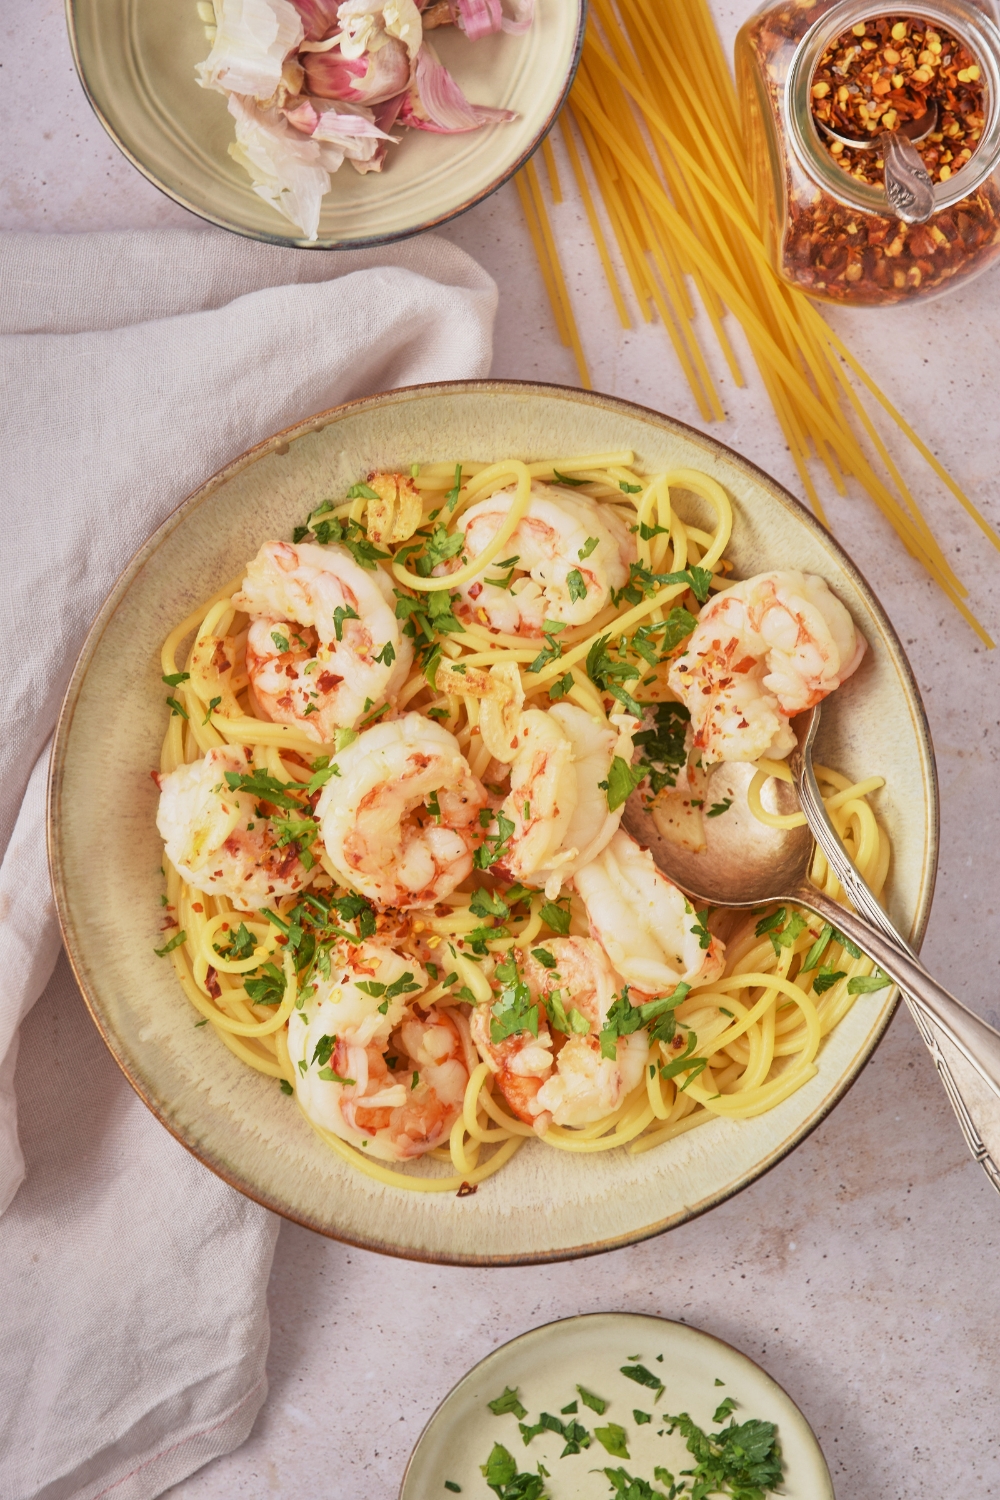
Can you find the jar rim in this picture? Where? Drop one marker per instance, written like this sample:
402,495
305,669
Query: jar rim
968,22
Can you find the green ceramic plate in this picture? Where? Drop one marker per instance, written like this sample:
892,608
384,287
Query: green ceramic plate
546,1366
545,1204
136,60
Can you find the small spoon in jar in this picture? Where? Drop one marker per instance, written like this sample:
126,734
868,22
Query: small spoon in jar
908,187
747,863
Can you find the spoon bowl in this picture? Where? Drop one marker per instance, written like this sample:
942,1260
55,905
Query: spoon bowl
744,862
749,863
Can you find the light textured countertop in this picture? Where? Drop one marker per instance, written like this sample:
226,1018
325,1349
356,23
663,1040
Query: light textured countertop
863,1271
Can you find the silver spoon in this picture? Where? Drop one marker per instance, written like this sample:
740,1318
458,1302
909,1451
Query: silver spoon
908,187
746,863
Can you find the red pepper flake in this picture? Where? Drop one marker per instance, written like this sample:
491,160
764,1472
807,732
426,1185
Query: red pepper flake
467,1189
887,71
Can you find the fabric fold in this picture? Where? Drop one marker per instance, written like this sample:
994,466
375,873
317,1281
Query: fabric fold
133,366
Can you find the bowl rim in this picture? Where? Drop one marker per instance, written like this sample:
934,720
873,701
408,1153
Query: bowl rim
610,1312
362,242
279,443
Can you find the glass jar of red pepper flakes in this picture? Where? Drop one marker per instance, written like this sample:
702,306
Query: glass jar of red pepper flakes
821,82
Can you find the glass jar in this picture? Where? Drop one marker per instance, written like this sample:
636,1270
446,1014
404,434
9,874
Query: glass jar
827,232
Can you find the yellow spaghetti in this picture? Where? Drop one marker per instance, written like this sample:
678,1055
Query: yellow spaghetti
734,1045
654,114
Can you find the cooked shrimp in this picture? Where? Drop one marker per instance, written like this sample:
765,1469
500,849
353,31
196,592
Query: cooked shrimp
392,1083
567,553
763,650
556,802
216,839
557,1077
647,927
400,819
520,1063
324,644
584,1086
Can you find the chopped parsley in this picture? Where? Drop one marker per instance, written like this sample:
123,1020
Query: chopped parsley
741,1461
486,903
404,985
594,1402
340,614
642,1376
568,479
175,679
643,584
818,948
552,650
701,931
624,1018
826,977
322,772
286,1087
569,1023
376,715
508,1402
612,1439
622,781
281,640
576,1437
867,984
560,687
608,674
361,491
505,580
780,928
176,709
494,846
263,786
513,1010
347,533
175,942
575,584
685,1063
451,499
662,744
556,917
241,944
269,988
587,548
718,808
627,1487
438,548
502,1477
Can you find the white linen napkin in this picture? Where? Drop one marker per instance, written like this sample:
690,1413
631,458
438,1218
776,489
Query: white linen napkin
133,1330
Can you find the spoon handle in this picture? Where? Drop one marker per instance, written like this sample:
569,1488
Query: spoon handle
863,899
976,1040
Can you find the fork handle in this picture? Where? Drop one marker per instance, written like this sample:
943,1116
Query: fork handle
978,1043
864,901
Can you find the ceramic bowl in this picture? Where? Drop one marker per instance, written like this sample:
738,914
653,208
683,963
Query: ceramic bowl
546,1366
545,1204
136,60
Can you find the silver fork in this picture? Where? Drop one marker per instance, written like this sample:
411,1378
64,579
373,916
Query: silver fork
865,903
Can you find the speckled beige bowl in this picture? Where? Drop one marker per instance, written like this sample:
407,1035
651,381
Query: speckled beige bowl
136,60
545,1204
